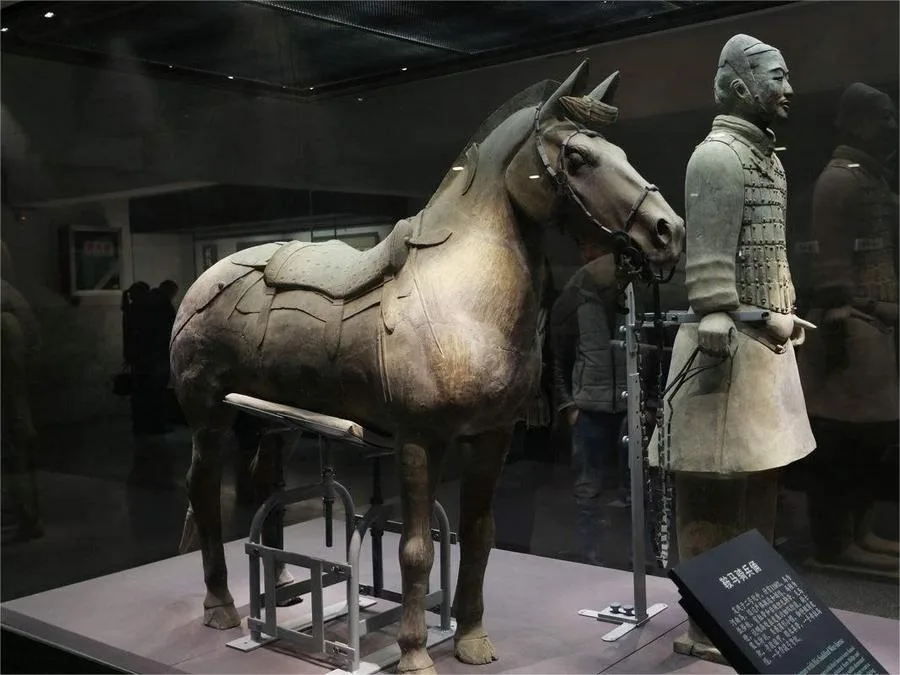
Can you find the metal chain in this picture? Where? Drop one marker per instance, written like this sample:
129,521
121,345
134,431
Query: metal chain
658,483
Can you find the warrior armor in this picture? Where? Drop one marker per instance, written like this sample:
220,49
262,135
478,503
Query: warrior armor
762,275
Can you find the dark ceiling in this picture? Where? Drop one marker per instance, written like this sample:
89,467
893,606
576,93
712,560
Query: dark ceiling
311,49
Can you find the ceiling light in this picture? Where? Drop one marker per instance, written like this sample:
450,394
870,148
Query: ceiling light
404,69
853,166
311,88
49,15
171,66
781,149
231,77
360,99
534,176
458,168
4,29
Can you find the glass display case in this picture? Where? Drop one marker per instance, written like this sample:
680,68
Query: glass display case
425,160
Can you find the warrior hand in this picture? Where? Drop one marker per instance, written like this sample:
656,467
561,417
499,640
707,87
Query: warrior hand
780,326
572,415
798,337
716,334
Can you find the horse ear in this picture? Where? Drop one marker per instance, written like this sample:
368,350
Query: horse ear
606,90
575,84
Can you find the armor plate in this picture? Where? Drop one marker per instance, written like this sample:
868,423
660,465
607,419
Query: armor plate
762,274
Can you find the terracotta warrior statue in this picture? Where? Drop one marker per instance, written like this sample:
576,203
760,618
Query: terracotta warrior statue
734,409
19,342
849,367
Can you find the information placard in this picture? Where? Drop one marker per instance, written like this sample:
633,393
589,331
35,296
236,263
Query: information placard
761,616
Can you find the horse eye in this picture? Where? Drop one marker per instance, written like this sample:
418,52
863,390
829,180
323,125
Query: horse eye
575,159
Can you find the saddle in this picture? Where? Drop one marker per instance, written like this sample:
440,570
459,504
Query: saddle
340,281
336,269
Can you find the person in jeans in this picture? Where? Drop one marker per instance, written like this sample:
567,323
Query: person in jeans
589,379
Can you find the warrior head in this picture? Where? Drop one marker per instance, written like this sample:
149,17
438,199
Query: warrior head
867,119
752,81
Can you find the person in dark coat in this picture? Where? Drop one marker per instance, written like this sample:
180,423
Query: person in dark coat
589,378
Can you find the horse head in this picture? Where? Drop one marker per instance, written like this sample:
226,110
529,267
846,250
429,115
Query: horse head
573,175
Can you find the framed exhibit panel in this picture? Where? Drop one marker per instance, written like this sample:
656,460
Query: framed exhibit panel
90,260
209,254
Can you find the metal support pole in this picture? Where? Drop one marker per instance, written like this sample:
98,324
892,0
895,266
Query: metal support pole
630,616
635,459
328,482
377,532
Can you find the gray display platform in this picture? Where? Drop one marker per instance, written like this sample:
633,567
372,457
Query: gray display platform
148,619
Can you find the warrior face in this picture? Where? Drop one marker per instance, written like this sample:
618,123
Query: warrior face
771,89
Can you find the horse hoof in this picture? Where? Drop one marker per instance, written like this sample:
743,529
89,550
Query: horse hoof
417,662
475,650
221,617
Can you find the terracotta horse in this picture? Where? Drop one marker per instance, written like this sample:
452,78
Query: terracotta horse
430,337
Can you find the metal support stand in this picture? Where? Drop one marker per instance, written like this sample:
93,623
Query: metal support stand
309,635
632,615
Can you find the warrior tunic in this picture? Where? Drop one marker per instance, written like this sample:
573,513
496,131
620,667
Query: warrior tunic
744,413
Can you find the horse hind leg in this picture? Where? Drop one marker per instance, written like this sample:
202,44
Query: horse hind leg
482,463
205,514
267,472
419,470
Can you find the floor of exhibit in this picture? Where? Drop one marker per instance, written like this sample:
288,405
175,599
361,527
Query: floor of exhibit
148,619
90,503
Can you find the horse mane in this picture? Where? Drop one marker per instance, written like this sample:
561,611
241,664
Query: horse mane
532,96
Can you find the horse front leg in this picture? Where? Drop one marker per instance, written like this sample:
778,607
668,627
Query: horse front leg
482,461
419,469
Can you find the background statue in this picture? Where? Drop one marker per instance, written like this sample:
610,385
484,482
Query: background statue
849,366
430,337
735,411
19,335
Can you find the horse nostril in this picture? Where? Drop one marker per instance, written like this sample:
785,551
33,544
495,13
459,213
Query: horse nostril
663,231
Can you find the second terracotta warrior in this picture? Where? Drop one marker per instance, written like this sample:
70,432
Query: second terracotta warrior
735,411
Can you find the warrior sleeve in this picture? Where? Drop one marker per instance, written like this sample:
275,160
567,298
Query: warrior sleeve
714,205
834,202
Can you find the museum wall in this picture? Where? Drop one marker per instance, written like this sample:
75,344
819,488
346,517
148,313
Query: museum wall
80,340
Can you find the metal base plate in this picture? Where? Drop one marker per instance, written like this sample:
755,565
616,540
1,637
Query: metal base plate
388,656
330,612
626,624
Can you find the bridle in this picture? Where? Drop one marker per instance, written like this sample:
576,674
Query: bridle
631,261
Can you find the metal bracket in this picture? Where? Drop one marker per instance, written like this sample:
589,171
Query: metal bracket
335,611
677,318
309,635
615,614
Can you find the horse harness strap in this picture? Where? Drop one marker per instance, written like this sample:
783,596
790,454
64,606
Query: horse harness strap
624,246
